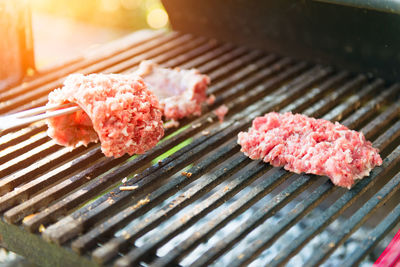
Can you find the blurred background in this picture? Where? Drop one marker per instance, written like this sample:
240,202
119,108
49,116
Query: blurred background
65,29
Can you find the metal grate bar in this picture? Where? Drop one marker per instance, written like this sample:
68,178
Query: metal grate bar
272,233
255,66
300,184
253,80
22,147
389,114
179,55
212,202
160,54
260,89
332,212
227,70
64,232
221,72
38,167
12,139
316,93
261,65
210,47
364,113
352,224
35,203
28,189
27,158
232,212
374,237
205,185
289,193
390,135
324,105
211,55
354,101
233,58
153,50
215,56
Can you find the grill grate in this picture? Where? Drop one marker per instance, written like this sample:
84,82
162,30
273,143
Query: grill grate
73,197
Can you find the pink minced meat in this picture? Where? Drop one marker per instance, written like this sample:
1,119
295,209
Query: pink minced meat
221,111
180,92
303,144
117,109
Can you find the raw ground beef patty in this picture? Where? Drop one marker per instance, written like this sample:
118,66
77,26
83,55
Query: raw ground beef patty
180,92
221,111
117,109
303,144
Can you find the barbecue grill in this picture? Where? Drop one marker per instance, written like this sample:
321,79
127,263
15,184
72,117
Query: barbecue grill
65,208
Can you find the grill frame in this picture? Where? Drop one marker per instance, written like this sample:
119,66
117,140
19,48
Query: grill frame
277,83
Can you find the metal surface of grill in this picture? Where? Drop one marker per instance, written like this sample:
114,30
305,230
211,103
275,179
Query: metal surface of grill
65,207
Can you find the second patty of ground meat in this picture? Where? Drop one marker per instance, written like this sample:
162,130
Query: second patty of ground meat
316,146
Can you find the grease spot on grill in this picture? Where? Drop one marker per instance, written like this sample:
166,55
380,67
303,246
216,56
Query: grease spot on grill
196,125
42,228
125,234
128,188
27,218
205,132
110,200
141,202
30,72
187,174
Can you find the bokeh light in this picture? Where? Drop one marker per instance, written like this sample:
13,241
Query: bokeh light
110,5
65,29
123,14
131,4
157,18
